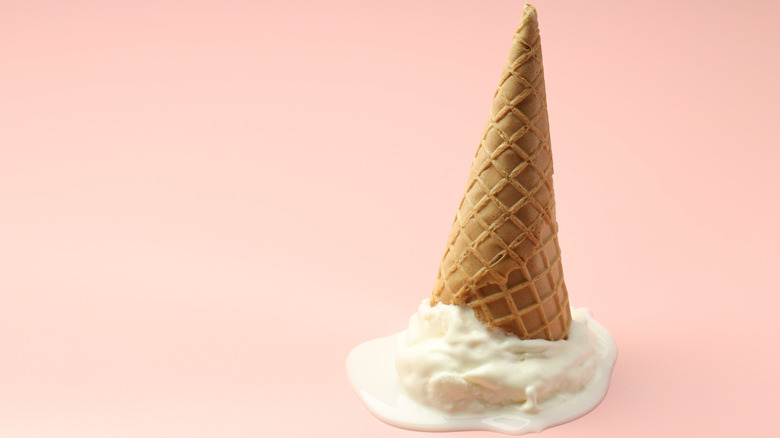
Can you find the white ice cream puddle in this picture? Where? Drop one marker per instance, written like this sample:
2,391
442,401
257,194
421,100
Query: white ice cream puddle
372,371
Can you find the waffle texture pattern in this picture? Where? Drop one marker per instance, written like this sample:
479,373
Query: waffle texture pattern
503,258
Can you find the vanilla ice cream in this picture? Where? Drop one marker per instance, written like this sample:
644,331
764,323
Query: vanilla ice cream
450,361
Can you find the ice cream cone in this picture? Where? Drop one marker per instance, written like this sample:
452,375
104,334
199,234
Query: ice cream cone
502,257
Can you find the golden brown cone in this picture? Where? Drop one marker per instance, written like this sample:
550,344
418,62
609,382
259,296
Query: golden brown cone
503,257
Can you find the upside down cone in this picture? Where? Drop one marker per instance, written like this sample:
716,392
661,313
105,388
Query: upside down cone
502,257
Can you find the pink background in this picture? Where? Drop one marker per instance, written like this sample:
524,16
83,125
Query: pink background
205,205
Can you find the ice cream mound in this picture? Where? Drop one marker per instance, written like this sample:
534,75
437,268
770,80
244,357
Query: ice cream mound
449,372
450,361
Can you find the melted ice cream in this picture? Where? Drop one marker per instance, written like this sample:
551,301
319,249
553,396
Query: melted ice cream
451,361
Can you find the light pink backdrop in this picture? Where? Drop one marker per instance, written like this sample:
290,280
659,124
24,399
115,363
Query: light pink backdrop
205,205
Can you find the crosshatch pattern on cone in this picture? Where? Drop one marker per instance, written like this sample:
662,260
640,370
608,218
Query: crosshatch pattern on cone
503,258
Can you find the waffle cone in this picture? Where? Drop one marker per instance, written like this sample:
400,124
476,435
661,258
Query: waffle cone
502,257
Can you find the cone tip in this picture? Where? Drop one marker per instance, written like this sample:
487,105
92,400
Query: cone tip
529,12
527,32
